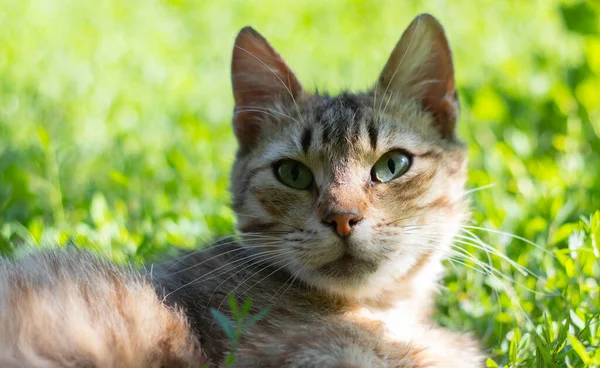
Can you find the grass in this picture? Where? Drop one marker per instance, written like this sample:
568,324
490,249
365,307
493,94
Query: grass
114,132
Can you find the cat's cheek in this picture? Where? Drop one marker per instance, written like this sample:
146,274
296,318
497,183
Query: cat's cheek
281,202
401,264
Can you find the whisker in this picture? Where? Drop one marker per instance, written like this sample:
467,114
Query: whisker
465,228
260,260
457,254
180,259
264,278
484,247
249,277
291,280
273,242
511,236
462,253
483,187
239,262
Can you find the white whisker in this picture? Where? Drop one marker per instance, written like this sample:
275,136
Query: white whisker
483,187
237,262
509,235
259,260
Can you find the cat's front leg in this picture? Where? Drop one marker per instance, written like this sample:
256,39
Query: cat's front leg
441,348
334,345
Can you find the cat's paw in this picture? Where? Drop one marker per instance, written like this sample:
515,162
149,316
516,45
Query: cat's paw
335,357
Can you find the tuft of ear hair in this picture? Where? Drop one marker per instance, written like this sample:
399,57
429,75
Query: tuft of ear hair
260,77
421,67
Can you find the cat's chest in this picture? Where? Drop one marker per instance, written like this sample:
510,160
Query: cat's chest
400,322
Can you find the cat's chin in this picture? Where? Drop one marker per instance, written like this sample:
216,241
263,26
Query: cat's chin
348,268
358,278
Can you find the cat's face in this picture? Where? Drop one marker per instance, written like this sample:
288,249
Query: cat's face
355,191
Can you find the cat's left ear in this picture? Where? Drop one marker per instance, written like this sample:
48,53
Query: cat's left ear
420,67
260,77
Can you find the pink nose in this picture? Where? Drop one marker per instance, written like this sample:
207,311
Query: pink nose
342,222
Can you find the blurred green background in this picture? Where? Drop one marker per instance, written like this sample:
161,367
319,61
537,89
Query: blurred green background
114,133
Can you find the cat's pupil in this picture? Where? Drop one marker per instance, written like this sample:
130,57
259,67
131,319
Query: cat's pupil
391,165
295,172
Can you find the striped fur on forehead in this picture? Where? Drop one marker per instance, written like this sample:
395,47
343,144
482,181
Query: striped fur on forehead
321,131
350,123
340,120
317,123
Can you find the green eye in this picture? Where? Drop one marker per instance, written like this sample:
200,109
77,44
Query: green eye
293,174
390,166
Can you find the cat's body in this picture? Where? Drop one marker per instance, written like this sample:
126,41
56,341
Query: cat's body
347,205
70,309
306,327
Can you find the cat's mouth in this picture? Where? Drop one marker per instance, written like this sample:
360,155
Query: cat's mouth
348,266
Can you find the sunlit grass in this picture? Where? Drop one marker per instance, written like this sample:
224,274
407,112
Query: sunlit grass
114,133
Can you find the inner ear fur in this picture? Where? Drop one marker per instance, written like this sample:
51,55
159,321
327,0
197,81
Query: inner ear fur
260,77
421,67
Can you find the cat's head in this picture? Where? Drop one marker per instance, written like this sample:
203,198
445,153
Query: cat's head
356,191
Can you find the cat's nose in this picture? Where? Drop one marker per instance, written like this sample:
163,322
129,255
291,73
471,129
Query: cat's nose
342,222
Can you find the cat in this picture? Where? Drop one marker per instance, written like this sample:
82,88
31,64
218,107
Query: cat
346,207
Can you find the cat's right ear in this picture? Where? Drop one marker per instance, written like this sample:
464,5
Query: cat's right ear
260,77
